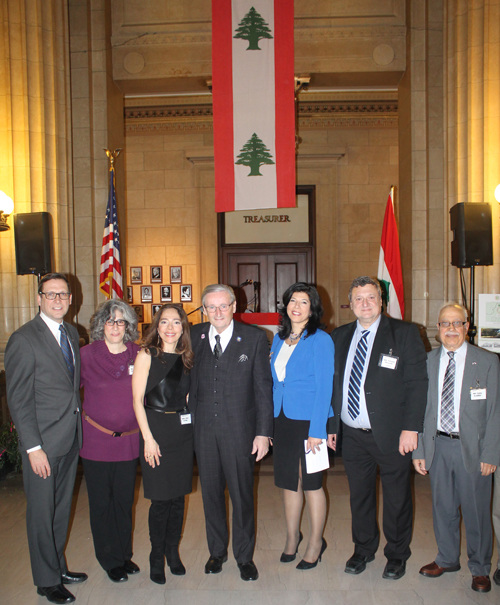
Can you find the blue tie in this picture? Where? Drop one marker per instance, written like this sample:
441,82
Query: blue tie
66,351
356,374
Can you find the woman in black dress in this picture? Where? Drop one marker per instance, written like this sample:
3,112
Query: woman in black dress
160,385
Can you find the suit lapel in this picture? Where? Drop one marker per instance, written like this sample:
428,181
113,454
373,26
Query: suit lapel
53,345
470,373
344,351
433,372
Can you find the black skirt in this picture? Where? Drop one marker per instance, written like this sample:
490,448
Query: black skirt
174,476
288,451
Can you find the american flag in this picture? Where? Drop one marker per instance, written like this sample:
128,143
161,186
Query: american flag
111,269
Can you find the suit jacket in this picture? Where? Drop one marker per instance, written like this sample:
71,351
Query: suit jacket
306,392
247,388
395,399
43,401
479,422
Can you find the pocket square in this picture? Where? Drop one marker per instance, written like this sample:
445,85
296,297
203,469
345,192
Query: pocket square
242,358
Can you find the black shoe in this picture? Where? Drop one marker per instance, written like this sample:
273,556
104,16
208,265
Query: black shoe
117,574
157,568
214,564
357,563
174,561
496,577
73,577
306,565
394,569
248,571
56,594
130,567
289,558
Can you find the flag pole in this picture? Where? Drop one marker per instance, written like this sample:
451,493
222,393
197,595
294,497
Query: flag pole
112,155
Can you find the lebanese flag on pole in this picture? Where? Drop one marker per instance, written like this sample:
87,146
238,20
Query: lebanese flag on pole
253,104
390,274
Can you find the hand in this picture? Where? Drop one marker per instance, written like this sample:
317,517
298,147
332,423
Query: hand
331,442
152,452
40,463
419,465
260,447
487,469
313,445
408,441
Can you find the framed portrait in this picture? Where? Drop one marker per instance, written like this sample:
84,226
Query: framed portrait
136,275
166,293
146,294
186,293
145,328
130,295
156,275
139,310
175,275
154,310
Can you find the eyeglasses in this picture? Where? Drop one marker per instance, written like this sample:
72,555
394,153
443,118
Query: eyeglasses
119,322
212,308
455,324
54,295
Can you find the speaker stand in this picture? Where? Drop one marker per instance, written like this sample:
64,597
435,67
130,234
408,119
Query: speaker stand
472,328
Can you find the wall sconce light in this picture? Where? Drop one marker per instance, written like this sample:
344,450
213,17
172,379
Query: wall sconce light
497,193
6,208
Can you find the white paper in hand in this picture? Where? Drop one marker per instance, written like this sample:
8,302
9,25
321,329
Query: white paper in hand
318,461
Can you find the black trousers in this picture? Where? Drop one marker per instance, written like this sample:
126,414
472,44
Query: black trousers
361,456
165,523
110,486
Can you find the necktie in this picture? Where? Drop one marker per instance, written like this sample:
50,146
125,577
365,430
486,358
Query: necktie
448,396
66,351
217,348
356,374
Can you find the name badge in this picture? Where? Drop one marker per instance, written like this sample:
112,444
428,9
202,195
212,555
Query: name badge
388,361
185,418
476,394
130,369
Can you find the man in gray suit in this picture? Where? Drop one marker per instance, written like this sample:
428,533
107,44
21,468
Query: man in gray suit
42,366
460,447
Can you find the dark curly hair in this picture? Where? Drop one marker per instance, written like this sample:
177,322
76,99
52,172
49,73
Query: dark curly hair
153,343
314,322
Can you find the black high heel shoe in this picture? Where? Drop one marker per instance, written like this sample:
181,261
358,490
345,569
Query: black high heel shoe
289,558
306,565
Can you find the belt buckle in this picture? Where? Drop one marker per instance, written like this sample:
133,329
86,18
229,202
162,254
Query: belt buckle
117,434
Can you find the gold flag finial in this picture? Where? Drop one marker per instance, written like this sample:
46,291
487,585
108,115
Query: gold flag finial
112,155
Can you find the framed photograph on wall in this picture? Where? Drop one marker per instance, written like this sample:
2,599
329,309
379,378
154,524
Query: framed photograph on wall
166,293
136,275
154,310
146,294
139,309
175,275
156,275
130,295
186,293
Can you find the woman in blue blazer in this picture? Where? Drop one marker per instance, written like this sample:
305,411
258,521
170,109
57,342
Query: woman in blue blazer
302,365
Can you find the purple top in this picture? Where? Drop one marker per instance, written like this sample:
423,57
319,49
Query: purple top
108,401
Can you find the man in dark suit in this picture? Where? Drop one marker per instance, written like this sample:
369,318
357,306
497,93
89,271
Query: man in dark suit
460,447
379,394
42,366
231,399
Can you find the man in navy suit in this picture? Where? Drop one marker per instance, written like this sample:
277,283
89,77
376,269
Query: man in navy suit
379,394
231,399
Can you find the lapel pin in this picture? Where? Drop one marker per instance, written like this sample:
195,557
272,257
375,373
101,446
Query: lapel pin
202,336
238,339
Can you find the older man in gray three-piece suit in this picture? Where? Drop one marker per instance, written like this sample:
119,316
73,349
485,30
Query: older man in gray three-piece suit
42,366
460,447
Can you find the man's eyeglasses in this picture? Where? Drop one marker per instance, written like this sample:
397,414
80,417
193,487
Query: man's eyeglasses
54,295
119,322
212,308
455,324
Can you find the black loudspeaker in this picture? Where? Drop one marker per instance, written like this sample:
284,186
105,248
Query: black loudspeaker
32,241
472,235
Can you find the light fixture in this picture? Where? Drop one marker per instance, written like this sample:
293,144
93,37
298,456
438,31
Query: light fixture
6,208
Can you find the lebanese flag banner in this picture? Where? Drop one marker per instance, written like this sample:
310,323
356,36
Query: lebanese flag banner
253,104
390,274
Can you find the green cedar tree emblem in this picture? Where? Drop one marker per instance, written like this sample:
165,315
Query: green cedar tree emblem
253,28
384,286
254,153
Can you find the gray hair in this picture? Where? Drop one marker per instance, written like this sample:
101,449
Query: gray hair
359,282
107,310
218,288
454,305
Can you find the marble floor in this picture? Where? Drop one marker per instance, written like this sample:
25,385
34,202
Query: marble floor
278,583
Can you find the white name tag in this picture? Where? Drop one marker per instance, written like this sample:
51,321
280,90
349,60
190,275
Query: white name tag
185,418
388,361
130,369
476,394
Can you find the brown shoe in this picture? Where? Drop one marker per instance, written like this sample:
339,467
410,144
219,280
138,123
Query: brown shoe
481,583
434,571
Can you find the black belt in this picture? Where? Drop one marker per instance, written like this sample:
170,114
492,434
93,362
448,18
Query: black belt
355,428
449,435
182,411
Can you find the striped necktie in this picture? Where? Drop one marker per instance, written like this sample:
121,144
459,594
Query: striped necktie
66,351
356,374
448,396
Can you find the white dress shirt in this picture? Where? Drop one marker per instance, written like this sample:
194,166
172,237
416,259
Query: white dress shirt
444,359
282,359
225,336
